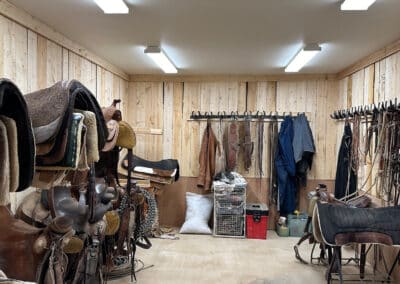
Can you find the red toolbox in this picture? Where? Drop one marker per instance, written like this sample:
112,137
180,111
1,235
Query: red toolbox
256,221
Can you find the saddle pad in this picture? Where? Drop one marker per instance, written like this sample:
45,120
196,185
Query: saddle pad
92,144
113,131
12,151
4,167
13,105
337,219
52,109
163,168
71,157
47,108
122,170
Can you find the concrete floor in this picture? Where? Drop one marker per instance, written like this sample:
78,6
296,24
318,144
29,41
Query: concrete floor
203,259
207,259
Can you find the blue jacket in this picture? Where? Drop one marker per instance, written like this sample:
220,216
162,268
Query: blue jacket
286,168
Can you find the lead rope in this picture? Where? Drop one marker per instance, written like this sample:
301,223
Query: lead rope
378,148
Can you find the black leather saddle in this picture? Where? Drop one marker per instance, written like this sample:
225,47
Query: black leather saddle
340,225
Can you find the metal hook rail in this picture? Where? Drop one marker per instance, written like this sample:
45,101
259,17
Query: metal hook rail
247,115
366,110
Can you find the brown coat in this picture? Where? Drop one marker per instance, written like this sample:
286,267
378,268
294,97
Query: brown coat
209,145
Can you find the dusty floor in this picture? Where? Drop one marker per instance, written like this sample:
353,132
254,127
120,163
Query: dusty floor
206,259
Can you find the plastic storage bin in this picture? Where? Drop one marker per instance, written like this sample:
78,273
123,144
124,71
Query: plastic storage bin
256,221
296,224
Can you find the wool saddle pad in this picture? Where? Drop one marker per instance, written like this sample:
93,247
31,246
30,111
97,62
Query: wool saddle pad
13,105
51,111
4,167
92,144
12,151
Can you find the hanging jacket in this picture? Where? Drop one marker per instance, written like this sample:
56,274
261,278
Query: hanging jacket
344,170
303,147
286,168
209,145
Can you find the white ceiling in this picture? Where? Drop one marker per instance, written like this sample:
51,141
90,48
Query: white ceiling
224,36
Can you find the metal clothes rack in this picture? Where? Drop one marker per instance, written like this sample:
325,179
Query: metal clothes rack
259,115
366,110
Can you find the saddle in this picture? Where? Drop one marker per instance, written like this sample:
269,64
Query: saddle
14,107
52,112
23,247
164,171
339,225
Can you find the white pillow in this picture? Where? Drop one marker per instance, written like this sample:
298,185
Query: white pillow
198,212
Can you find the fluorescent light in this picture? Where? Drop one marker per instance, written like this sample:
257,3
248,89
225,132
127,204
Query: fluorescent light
161,59
302,58
113,6
356,5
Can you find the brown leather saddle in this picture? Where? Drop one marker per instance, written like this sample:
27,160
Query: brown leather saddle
23,247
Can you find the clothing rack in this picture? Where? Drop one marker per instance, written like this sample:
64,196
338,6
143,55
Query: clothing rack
366,110
247,115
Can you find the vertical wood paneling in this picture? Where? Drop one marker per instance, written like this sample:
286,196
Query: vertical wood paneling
82,70
145,106
14,53
181,138
191,131
32,83
65,64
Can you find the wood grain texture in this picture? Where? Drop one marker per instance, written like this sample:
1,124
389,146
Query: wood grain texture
28,22
181,138
379,55
33,62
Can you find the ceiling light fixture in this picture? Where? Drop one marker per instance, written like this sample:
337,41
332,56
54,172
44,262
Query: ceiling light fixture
161,59
303,57
113,6
356,5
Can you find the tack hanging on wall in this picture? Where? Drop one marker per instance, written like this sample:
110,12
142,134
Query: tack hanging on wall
247,115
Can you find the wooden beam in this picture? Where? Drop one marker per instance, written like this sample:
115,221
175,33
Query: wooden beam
231,78
151,131
370,59
21,17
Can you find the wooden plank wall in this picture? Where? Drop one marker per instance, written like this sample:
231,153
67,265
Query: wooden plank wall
33,62
160,112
